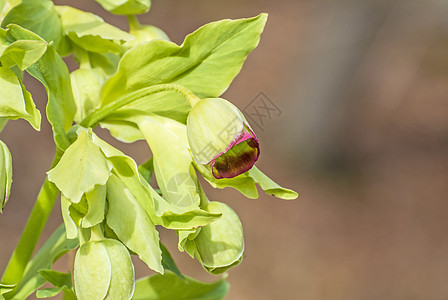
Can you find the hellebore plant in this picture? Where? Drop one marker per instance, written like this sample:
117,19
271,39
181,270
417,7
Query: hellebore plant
138,85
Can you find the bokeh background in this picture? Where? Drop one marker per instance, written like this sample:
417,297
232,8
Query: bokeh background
361,132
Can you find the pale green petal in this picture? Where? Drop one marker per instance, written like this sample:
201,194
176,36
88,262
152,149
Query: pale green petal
23,53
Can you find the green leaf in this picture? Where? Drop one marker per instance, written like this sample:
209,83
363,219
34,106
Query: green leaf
246,183
97,205
39,17
124,131
108,62
168,262
125,7
147,169
205,63
15,101
56,246
243,183
270,187
169,287
86,85
58,279
5,288
132,225
23,53
48,293
159,210
220,245
90,32
81,167
52,72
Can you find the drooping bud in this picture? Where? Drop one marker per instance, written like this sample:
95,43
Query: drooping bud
219,136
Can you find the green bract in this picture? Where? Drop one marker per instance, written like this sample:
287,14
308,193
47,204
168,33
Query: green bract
139,85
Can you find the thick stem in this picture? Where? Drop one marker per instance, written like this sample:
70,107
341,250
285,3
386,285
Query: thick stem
33,229
94,118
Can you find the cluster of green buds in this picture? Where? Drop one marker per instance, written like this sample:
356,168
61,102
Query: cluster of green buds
138,85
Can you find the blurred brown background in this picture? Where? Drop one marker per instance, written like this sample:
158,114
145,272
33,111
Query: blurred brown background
362,136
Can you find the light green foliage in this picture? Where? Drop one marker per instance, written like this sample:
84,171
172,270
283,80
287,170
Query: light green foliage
126,7
23,53
86,85
169,287
16,102
90,32
132,225
82,166
62,283
52,72
160,211
205,63
39,17
139,85
56,246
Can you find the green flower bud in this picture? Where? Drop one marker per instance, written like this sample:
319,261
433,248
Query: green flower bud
220,245
103,270
219,136
5,174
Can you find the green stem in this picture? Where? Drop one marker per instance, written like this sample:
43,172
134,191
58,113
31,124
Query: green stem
94,118
33,229
134,24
